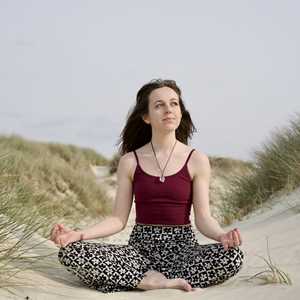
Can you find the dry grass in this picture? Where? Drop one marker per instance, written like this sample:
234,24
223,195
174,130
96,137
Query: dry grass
276,168
272,273
41,184
55,178
17,227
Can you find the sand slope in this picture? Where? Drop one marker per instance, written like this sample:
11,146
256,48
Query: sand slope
279,220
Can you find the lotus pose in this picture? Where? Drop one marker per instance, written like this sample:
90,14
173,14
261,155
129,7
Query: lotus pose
166,178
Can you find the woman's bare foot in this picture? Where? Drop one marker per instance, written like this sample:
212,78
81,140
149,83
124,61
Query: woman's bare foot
177,283
155,280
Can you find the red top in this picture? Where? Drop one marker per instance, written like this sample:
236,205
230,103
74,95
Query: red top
166,203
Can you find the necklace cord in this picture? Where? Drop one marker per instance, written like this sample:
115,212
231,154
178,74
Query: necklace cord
162,171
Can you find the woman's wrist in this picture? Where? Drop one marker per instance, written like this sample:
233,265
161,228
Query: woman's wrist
219,236
80,233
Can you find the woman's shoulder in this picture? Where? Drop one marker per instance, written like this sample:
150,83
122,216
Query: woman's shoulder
199,163
128,163
199,156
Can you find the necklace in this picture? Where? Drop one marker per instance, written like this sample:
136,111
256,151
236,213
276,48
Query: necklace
162,177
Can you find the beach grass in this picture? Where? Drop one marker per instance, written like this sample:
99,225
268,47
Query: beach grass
55,178
276,169
271,273
42,184
17,227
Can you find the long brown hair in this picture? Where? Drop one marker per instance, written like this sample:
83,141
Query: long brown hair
137,133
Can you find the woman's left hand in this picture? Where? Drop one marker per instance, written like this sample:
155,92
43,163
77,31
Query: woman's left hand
231,239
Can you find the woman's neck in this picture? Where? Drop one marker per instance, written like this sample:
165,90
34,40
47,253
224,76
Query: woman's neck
163,143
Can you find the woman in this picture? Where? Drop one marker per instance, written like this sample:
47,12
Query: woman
167,177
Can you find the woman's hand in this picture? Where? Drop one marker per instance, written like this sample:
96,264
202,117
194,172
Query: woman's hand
62,236
231,239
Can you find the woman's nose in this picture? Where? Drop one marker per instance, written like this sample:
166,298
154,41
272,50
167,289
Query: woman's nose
168,107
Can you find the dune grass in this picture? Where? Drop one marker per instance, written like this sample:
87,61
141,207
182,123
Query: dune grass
17,226
40,184
55,178
276,169
15,253
272,273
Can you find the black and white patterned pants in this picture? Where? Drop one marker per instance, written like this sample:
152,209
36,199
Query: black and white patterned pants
171,250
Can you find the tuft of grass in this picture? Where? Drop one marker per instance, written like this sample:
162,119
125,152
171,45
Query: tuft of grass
272,273
17,245
276,168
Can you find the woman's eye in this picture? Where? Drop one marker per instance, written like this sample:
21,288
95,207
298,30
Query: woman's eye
160,104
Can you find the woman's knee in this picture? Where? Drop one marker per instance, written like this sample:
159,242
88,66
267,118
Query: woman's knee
68,253
236,256
229,265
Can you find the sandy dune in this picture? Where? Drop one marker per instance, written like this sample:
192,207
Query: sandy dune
279,221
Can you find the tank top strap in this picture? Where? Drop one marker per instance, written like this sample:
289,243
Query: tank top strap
187,160
136,157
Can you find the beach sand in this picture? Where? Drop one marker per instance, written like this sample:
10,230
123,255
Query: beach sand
278,221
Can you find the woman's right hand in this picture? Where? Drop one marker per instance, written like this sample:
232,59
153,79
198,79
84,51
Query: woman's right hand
62,236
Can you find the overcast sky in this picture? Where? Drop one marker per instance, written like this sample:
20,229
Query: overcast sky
70,70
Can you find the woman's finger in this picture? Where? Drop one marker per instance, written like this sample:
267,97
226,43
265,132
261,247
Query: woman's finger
53,232
64,229
56,240
230,239
225,242
226,245
239,235
236,241
62,241
61,228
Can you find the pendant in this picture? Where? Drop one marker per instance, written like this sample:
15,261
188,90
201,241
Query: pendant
162,178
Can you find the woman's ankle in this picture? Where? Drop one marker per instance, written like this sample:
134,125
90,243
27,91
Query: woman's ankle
152,280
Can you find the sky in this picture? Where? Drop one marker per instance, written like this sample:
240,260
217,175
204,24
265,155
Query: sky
70,70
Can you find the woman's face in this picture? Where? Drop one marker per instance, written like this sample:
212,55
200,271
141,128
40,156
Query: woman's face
164,109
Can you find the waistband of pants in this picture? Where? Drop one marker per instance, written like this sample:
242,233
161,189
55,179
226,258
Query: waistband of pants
164,225
154,231
161,235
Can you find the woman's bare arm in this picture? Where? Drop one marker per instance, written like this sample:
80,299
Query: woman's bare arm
117,221
204,221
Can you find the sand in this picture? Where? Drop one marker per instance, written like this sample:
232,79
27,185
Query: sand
278,220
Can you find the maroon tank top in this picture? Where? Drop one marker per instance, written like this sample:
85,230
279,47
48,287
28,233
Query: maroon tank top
167,203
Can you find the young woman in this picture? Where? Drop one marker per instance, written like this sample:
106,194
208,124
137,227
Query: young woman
167,178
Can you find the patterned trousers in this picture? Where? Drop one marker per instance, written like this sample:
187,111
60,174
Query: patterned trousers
171,250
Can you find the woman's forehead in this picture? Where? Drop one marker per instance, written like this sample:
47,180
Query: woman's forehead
163,94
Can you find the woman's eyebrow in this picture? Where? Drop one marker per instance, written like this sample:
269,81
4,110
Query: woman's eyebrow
163,101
